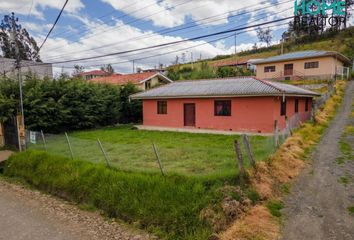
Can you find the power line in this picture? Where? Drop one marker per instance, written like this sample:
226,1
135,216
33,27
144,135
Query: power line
55,23
175,42
167,30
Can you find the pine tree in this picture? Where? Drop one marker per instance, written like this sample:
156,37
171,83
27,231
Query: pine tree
27,45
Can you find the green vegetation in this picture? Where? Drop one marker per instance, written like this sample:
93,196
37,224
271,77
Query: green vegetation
183,153
169,207
342,41
68,104
274,207
345,180
351,210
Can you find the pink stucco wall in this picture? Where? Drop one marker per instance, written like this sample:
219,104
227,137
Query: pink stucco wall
248,114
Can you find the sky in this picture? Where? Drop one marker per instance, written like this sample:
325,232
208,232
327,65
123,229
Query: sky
95,27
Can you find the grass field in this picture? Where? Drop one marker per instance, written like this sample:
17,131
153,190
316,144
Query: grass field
183,153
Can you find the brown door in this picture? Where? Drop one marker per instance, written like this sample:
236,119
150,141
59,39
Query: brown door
189,114
288,69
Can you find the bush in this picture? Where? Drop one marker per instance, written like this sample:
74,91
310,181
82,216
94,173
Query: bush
68,104
169,207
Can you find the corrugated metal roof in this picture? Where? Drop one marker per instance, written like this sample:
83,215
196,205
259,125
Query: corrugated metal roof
222,87
302,55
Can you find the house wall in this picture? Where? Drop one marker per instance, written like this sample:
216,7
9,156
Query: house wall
154,82
326,68
248,114
42,70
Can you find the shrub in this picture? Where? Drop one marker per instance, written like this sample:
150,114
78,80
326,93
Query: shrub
68,104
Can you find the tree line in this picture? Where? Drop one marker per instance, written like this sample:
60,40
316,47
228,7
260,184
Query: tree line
66,104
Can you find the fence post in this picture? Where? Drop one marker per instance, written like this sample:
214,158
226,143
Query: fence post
276,134
288,127
158,159
103,152
44,142
239,160
249,150
71,151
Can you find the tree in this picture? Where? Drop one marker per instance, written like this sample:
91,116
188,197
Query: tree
78,70
264,35
108,68
28,49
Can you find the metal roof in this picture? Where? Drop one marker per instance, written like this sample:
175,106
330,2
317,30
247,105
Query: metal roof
303,55
229,87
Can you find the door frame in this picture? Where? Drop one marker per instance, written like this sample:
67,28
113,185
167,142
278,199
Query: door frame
287,71
185,105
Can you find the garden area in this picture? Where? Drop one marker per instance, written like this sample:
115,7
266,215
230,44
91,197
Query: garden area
130,149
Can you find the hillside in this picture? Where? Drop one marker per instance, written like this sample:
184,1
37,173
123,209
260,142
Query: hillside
342,42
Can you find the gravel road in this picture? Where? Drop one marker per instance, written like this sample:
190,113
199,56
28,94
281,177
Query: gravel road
317,207
30,215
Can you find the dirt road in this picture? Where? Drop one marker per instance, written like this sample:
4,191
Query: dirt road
31,215
317,208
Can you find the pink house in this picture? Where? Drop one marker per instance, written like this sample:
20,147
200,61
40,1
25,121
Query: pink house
235,104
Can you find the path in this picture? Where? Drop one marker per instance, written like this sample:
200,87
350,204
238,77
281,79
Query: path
5,154
317,207
27,214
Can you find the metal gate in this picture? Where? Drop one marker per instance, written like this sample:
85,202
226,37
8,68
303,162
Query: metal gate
10,133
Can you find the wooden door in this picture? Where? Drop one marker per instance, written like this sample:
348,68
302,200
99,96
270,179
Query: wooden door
189,114
288,69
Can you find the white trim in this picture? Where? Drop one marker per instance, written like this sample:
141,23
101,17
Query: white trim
158,75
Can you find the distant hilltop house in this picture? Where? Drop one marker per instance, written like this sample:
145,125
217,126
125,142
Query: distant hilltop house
305,64
7,68
235,104
143,81
241,63
94,74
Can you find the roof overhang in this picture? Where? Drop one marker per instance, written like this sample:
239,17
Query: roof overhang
157,75
224,96
337,55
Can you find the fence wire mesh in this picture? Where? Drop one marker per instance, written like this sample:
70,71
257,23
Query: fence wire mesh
186,154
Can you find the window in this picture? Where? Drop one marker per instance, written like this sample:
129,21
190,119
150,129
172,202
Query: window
296,105
147,85
283,108
222,108
269,69
309,65
307,105
161,107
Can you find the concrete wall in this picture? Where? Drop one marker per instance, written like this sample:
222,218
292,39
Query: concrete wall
42,70
249,114
326,69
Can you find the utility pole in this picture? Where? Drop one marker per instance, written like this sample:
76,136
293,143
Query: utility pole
236,48
10,23
192,60
133,66
282,46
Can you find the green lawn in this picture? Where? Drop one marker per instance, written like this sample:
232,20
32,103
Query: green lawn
183,153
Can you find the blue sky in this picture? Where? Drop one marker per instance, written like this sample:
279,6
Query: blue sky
94,27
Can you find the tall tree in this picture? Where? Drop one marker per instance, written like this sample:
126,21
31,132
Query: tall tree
264,35
9,33
108,68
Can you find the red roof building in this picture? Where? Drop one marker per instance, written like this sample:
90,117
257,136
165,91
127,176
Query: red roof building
143,81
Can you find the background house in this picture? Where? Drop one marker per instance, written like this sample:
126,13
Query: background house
7,68
143,81
305,64
235,104
94,74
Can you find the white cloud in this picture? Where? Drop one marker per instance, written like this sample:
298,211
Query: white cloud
23,7
162,14
69,50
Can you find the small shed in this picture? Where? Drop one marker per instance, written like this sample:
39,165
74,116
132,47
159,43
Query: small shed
233,104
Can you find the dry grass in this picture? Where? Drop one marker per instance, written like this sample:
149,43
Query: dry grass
282,167
256,225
